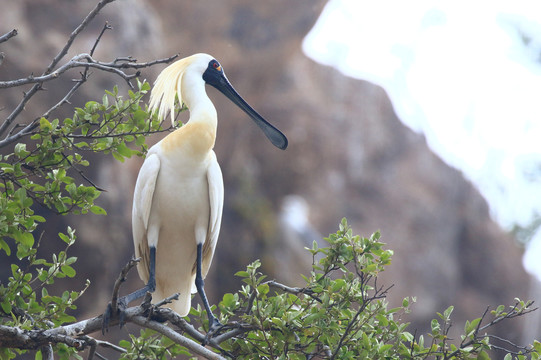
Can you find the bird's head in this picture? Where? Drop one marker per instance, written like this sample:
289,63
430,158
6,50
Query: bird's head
174,78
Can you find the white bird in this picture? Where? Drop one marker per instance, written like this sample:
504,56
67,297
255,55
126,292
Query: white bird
179,194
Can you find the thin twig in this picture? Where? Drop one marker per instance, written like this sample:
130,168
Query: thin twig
82,174
103,30
11,117
293,290
121,278
168,300
8,35
94,343
508,342
239,330
65,99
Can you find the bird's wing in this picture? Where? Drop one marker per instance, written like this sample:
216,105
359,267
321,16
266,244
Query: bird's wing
142,204
216,199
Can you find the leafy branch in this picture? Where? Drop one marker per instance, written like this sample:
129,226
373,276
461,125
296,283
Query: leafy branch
335,315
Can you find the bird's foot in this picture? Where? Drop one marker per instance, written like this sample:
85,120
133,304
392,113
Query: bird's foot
214,329
108,315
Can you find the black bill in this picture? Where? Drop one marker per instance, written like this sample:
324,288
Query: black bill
215,76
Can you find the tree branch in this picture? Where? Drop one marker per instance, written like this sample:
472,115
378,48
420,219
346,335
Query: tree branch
91,15
47,352
76,61
8,35
121,278
176,337
293,290
56,60
85,60
74,335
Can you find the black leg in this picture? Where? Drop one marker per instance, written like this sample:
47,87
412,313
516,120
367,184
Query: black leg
123,302
214,324
151,284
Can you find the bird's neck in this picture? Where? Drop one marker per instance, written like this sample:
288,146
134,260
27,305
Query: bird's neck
203,111
194,140
197,137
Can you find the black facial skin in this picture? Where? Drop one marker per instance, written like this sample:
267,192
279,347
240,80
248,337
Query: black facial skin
215,77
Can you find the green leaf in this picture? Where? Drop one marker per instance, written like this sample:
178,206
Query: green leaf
470,327
105,100
95,209
6,306
45,125
68,270
4,245
145,86
118,156
263,289
483,355
124,150
242,274
25,238
229,300
537,346
338,285
20,150
64,238
435,326
447,313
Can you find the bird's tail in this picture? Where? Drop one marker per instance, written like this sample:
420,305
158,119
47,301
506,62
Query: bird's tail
182,305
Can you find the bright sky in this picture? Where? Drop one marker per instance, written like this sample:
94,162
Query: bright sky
467,74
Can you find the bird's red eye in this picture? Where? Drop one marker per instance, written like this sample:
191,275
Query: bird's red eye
216,66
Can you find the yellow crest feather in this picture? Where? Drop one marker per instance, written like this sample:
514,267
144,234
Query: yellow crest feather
166,87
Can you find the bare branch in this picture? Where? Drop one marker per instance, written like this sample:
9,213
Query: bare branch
121,278
78,61
293,290
176,337
93,343
19,108
238,330
133,64
47,352
56,60
91,15
103,30
8,35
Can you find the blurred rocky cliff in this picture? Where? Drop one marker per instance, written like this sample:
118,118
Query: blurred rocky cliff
349,156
